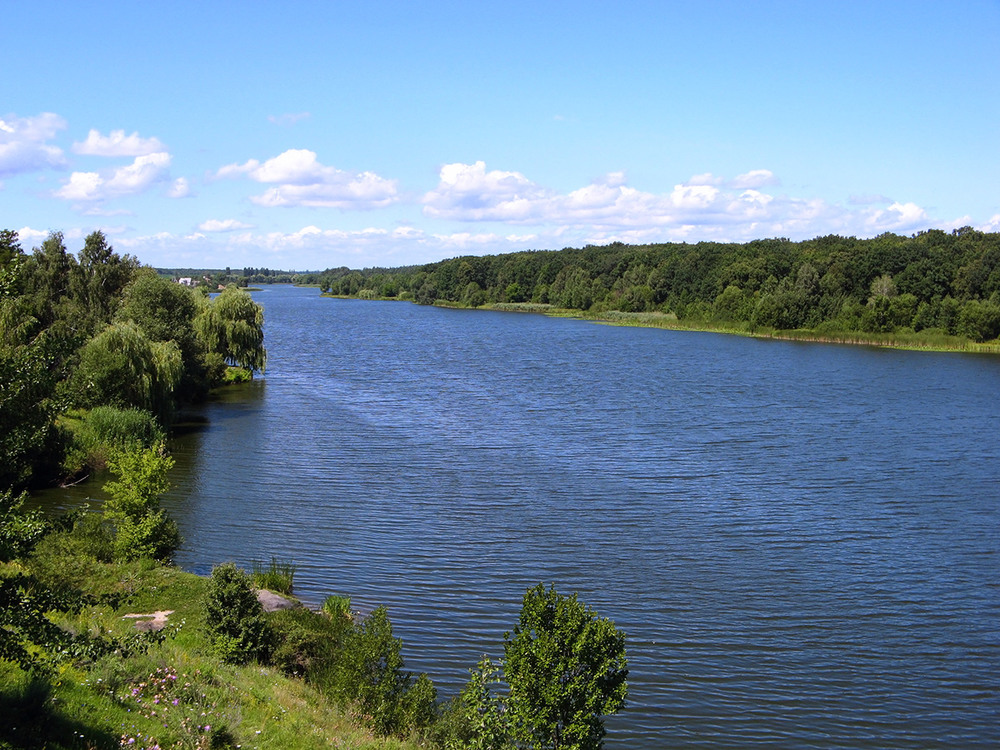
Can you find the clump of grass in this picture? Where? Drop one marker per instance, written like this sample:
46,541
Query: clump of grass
275,576
236,375
338,607
92,436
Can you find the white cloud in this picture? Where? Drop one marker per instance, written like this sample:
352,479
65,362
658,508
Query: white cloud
755,178
225,225
128,180
470,193
898,217
705,207
301,180
24,143
993,225
180,189
31,237
117,144
705,179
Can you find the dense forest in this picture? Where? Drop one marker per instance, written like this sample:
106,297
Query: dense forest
932,283
94,344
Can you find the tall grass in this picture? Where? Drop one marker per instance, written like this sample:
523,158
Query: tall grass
276,576
92,436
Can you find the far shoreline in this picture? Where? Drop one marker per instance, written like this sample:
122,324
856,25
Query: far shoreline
668,321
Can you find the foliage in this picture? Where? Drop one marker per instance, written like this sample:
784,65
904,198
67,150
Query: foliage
121,367
232,326
477,719
370,678
237,627
142,528
275,576
566,668
93,435
236,375
881,285
308,644
20,530
27,372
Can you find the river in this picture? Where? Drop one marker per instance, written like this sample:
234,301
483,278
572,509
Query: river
800,540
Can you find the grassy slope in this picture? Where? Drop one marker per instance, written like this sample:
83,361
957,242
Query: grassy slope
105,703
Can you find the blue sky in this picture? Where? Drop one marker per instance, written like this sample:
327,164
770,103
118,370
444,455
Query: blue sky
315,135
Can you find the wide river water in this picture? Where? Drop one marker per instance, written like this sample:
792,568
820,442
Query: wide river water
801,541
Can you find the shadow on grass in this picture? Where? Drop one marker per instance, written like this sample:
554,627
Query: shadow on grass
32,721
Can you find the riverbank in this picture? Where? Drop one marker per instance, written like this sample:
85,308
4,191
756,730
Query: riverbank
933,342
176,692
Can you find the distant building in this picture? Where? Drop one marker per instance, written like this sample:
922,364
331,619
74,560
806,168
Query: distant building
185,281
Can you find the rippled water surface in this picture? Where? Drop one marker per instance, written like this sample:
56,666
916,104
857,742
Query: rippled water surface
800,540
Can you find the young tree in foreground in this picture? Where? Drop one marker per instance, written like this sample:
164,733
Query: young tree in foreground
142,528
566,668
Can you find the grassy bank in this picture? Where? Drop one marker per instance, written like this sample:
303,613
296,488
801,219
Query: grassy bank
922,341
159,690
932,340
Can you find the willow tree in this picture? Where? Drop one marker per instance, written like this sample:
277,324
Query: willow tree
232,326
122,367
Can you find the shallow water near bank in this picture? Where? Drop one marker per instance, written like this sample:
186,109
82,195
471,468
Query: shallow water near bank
800,540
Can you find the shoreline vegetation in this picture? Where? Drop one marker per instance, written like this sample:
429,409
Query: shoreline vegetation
933,290
932,342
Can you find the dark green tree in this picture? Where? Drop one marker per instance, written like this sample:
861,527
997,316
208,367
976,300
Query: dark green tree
236,624
98,279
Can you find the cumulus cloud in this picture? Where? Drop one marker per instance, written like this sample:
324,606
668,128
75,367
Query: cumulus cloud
898,217
223,225
24,143
704,207
31,237
301,180
136,177
117,143
470,193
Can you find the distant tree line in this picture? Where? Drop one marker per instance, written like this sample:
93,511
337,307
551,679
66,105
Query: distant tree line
97,351
216,277
934,281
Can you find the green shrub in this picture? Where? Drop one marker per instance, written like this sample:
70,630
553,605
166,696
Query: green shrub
308,644
276,576
122,427
20,530
236,623
370,678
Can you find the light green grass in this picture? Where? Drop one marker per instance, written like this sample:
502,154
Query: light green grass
176,694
